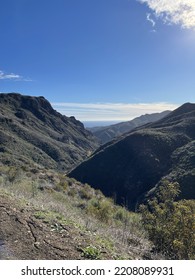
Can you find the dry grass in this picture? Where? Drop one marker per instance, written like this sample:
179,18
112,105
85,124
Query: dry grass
112,226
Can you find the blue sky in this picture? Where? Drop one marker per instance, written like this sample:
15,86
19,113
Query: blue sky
99,59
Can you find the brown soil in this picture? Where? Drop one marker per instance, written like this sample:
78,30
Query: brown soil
22,236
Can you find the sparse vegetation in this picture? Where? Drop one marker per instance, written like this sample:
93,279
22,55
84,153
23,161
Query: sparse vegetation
92,253
107,230
170,223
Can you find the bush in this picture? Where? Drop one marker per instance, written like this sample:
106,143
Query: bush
171,224
62,185
121,214
91,253
101,209
86,192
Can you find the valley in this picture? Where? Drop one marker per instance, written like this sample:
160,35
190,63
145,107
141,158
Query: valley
63,196
132,166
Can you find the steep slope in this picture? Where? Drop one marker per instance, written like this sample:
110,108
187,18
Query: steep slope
108,133
51,216
32,131
134,164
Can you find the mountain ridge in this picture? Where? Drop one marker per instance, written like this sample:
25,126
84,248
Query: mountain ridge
129,167
107,133
32,130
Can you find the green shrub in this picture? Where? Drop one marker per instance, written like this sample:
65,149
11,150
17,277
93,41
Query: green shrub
72,192
170,224
86,192
13,174
91,252
120,214
101,209
1,180
62,185
34,188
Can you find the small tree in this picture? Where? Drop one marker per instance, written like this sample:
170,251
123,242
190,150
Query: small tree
170,224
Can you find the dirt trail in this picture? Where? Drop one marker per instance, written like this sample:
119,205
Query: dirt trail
22,236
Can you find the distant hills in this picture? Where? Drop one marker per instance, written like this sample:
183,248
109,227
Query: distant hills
33,132
131,167
52,216
108,133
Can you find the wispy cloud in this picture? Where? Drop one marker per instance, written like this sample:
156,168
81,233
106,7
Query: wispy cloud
150,19
13,77
110,111
180,12
148,16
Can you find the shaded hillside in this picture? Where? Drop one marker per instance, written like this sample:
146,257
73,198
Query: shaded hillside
108,133
32,131
134,164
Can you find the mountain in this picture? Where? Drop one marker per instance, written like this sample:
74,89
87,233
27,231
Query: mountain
131,167
33,132
108,133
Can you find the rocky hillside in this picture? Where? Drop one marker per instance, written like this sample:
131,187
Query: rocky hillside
32,131
108,133
132,166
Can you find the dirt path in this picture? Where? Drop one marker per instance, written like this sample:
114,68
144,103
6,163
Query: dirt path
22,236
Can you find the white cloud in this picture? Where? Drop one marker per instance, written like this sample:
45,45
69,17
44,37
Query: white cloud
12,76
180,12
150,19
148,16
110,111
